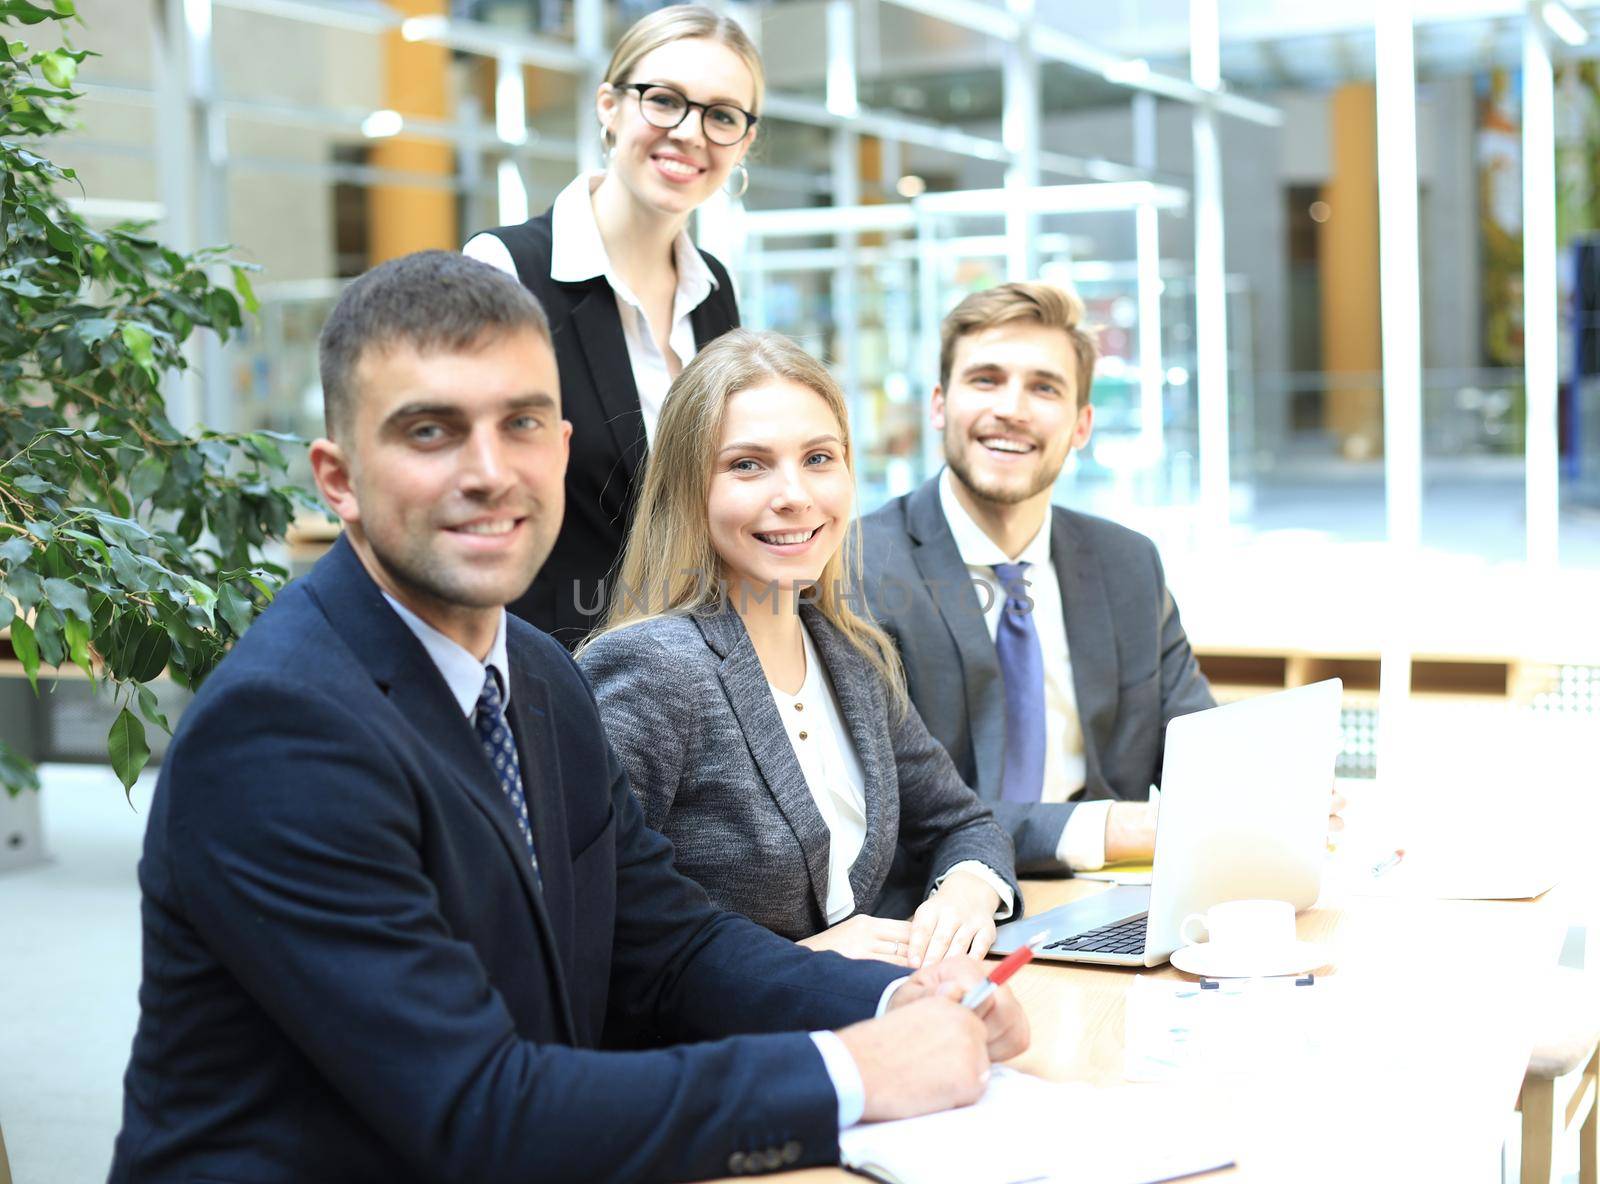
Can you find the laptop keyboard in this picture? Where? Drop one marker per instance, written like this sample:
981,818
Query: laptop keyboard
1119,937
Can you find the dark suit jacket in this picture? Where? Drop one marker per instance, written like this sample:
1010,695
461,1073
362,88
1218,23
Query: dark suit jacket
350,973
1132,668
598,395
689,709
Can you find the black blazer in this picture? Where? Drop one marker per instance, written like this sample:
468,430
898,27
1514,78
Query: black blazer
351,974
567,598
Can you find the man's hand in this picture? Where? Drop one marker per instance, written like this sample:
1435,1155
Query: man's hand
925,1055
862,936
1004,1022
1131,832
958,919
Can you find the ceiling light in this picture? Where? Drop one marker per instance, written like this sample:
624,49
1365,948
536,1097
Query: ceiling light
1560,20
423,28
911,186
382,124
1128,73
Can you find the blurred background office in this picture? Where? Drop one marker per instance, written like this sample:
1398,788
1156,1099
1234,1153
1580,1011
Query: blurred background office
1345,261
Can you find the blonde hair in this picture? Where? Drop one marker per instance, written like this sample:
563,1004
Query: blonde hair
668,562
683,22
1050,305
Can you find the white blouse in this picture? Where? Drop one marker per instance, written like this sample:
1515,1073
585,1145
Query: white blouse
578,253
833,772
827,756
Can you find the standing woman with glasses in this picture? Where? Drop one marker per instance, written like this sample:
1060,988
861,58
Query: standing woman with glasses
629,297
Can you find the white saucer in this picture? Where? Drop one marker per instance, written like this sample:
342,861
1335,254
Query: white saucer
1209,961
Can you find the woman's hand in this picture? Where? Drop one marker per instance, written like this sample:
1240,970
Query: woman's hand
862,936
957,919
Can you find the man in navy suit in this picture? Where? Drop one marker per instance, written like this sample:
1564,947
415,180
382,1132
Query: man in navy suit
396,886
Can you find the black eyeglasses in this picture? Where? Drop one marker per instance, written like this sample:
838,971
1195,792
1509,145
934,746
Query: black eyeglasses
667,107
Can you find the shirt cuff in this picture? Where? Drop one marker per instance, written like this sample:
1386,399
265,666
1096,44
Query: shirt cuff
888,994
1008,902
1082,846
842,1071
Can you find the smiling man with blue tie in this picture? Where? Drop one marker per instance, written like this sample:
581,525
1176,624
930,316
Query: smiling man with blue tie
1041,645
396,886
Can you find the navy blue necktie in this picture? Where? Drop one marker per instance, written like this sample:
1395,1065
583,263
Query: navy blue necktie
490,723
1016,644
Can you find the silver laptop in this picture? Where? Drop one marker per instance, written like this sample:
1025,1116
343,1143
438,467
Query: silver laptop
1244,815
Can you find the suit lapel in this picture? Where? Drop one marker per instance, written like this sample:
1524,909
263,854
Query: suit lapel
1091,639
413,685
942,570
751,698
855,687
705,322
598,329
541,775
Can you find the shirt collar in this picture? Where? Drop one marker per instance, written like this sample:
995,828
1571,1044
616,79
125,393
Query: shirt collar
978,549
462,672
578,253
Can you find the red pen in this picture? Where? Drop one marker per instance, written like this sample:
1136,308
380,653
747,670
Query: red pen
1009,965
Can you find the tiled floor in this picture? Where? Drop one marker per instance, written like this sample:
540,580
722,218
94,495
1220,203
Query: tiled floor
69,979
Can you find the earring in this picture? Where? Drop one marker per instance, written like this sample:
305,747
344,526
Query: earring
744,181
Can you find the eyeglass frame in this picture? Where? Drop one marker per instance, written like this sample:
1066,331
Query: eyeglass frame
689,105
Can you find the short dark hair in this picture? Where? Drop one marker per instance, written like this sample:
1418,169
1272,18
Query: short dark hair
1031,302
433,301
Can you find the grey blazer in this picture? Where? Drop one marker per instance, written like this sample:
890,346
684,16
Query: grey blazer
1132,667
688,709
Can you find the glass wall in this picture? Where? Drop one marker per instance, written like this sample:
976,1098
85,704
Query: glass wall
336,141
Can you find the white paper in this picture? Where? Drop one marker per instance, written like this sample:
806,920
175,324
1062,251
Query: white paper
1025,1129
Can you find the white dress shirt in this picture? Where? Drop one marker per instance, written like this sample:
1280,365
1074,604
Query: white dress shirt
463,674
1082,846
578,253
827,757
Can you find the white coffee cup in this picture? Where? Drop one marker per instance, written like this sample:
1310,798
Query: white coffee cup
1244,925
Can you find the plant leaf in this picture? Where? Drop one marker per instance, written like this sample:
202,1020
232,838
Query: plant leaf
16,774
59,69
150,708
145,478
241,284
235,608
141,346
78,644
69,598
138,650
26,647
126,746
15,552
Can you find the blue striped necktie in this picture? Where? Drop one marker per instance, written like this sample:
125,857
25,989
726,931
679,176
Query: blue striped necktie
1016,645
489,721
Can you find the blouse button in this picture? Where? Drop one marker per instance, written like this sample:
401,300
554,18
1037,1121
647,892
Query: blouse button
802,735
799,706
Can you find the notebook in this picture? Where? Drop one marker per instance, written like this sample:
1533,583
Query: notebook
1025,1130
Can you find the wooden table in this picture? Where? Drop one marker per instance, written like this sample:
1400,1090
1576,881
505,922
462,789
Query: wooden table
1424,1090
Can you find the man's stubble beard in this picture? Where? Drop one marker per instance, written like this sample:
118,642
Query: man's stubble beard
1002,496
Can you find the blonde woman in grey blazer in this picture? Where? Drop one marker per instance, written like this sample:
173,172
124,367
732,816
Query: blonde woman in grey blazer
762,720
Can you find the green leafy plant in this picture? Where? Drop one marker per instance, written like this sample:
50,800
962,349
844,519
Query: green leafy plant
127,547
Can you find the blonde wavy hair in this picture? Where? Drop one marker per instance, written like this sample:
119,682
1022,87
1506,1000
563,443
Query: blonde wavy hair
668,561
683,22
